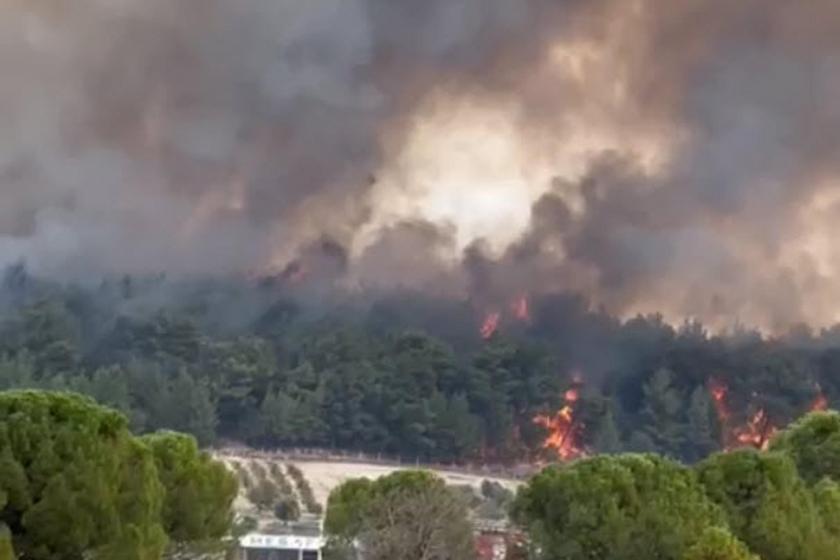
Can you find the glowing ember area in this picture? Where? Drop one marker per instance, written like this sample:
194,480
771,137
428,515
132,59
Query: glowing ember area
719,390
564,430
490,325
521,308
757,432
820,403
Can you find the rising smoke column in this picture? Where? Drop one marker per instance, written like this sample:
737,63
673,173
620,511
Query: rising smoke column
649,154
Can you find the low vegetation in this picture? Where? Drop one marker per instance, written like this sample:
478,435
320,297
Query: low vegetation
281,480
272,493
264,494
305,490
243,476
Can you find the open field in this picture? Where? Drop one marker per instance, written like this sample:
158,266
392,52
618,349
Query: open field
324,475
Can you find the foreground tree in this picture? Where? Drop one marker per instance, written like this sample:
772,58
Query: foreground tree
768,506
7,552
629,507
77,483
199,492
408,515
827,498
814,444
718,544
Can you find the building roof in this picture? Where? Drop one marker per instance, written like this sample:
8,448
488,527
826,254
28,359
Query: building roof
281,542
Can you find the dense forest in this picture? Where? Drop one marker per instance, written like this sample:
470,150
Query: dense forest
431,378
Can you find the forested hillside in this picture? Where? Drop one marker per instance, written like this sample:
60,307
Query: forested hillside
410,374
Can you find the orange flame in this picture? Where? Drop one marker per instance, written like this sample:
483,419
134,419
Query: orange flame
521,308
719,390
490,325
564,430
757,432
820,402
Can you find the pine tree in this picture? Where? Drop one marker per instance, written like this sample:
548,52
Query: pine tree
608,440
663,413
701,423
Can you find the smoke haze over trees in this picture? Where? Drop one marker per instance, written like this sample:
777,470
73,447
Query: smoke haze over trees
409,376
653,156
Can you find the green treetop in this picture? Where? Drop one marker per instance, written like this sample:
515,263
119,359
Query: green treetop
627,507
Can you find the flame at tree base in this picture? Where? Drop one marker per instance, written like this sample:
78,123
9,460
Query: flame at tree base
756,432
564,430
519,311
490,325
521,308
820,403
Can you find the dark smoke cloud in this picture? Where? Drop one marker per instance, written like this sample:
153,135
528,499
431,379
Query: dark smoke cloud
217,137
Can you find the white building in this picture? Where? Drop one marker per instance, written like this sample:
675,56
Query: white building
279,547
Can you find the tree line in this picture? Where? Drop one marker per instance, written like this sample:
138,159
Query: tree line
780,504
408,375
75,483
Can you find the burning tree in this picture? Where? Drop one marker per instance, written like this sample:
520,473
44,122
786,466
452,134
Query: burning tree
518,310
719,391
820,402
755,432
521,308
490,325
565,431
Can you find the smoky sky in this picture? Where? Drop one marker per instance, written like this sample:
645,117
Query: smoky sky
687,151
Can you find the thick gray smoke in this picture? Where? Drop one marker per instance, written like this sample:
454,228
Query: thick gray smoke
680,156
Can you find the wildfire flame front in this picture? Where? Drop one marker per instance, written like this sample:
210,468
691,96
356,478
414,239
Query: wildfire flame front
564,430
